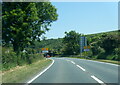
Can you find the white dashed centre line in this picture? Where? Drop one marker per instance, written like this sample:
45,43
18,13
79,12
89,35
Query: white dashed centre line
81,67
72,62
95,78
98,80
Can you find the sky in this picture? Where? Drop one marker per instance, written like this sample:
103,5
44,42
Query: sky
84,17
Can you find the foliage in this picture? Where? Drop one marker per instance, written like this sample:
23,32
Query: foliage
117,51
10,59
109,43
98,44
54,45
71,41
23,23
105,45
96,49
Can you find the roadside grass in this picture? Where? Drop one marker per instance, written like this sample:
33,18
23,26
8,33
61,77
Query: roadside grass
21,74
100,60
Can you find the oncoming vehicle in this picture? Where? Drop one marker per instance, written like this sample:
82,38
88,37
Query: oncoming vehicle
47,55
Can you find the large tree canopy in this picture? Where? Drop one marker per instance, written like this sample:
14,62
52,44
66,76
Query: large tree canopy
71,41
24,22
109,43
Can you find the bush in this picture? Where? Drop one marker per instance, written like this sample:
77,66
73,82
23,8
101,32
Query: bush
116,51
115,54
98,52
113,57
101,56
11,59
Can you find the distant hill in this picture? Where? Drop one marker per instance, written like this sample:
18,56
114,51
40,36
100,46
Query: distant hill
56,44
109,32
51,44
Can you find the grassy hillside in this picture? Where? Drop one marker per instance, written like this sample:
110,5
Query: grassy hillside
103,44
52,44
57,43
108,33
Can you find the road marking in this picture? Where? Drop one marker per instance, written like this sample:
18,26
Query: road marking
72,62
68,60
103,62
98,80
81,67
41,72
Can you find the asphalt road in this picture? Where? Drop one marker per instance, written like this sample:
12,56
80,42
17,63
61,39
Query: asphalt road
71,70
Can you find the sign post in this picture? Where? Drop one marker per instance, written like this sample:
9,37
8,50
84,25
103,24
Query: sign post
83,42
83,45
86,49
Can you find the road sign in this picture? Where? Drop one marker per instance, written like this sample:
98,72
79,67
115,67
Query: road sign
44,48
83,43
86,49
45,51
88,46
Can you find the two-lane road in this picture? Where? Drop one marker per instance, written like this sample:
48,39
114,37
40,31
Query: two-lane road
70,70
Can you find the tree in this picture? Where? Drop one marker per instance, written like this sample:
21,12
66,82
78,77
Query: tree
109,43
71,41
24,23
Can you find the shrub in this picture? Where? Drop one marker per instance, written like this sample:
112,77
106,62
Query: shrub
9,58
112,57
116,51
101,56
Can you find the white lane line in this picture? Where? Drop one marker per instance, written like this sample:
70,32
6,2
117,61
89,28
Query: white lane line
81,67
68,60
98,80
41,72
103,62
72,62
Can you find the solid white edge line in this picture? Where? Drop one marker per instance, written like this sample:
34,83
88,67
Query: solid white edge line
103,62
98,80
72,62
81,67
41,72
100,62
67,60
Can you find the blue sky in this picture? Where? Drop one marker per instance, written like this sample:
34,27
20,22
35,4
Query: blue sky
84,17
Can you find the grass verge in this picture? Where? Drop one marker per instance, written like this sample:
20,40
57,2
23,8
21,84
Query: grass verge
21,74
